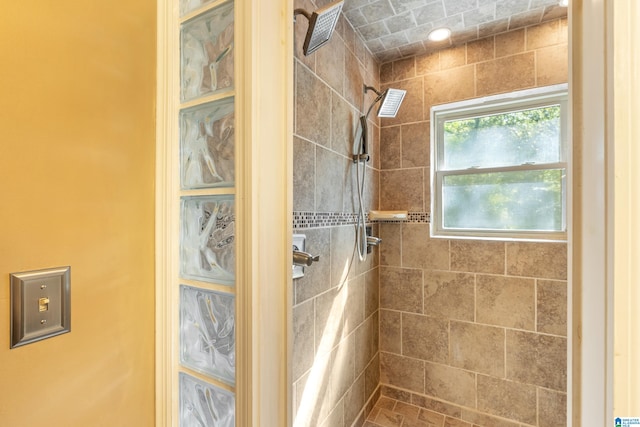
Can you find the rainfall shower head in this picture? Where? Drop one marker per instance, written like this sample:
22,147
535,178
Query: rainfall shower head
391,100
322,22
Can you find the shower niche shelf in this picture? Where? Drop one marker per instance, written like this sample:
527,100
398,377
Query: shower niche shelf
388,215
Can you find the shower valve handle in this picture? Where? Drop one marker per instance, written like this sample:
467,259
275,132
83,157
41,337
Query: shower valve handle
304,259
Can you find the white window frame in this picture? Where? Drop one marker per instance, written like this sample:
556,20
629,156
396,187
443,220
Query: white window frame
513,101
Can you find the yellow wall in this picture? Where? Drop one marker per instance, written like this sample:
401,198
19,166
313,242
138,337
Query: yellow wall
77,82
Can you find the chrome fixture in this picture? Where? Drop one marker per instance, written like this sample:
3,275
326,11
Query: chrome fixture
301,258
373,241
322,22
391,100
360,146
304,258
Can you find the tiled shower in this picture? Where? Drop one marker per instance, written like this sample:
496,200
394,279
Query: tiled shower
335,362
439,332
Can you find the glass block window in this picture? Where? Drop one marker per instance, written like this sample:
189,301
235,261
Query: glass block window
499,166
207,54
207,239
205,405
202,157
207,145
187,6
207,332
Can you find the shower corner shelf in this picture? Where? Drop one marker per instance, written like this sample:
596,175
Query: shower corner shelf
388,215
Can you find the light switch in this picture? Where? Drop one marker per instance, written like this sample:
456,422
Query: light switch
40,305
43,304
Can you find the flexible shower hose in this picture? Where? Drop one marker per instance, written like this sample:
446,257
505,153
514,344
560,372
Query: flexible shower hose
361,226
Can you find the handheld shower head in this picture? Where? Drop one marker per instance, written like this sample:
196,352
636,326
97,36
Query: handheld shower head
391,101
322,22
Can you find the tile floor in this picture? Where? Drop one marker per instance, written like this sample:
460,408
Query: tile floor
391,413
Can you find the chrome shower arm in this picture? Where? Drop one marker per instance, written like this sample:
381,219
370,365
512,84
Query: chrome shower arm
380,96
368,88
302,12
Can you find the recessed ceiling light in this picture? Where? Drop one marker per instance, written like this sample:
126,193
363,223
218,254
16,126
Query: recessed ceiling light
564,3
439,34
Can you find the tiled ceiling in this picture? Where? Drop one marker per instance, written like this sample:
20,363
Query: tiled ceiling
394,29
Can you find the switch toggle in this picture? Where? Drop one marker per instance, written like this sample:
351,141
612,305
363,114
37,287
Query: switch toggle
43,304
40,305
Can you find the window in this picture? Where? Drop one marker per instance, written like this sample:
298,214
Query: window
499,166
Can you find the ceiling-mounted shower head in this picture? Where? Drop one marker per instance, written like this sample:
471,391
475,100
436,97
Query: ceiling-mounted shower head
391,100
322,22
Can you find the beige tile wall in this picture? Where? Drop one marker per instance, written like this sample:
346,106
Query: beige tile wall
470,330
335,364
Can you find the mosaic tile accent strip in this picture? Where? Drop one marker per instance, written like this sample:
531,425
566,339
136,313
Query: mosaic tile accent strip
322,219
412,217
207,332
420,217
203,404
335,219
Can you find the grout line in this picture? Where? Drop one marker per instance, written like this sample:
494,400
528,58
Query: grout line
315,347
475,80
505,259
535,305
535,67
401,340
476,384
495,49
504,331
401,243
315,176
450,355
475,297
537,405
422,284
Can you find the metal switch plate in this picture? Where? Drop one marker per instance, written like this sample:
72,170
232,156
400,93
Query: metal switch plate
40,305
